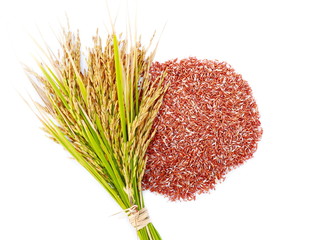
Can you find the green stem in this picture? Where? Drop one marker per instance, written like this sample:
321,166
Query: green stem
149,233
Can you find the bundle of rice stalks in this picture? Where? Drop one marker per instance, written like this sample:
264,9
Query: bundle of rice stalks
103,114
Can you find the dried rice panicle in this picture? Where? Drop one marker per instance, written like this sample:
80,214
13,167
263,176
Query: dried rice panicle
101,117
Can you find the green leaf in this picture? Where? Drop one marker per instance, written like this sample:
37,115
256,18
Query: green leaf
120,87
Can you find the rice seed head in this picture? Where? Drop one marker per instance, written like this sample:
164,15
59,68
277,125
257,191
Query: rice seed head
103,113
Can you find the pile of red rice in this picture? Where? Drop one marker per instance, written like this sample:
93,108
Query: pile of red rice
208,124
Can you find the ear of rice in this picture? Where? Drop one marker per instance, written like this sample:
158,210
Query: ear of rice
103,115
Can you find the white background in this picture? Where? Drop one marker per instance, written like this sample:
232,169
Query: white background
276,45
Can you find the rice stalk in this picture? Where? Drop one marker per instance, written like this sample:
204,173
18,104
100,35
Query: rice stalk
103,114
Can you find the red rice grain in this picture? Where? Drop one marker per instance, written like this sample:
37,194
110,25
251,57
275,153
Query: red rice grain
207,125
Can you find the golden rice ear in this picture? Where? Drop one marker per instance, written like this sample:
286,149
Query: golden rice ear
102,117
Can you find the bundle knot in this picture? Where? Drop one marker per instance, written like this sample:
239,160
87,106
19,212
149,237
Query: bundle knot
138,218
